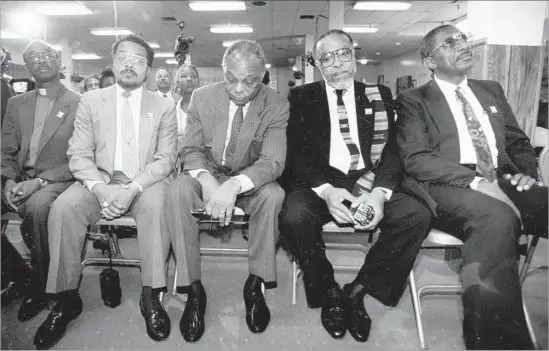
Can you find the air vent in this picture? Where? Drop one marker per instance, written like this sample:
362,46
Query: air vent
168,19
259,3
307,17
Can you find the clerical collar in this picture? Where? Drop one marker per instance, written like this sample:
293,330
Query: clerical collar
51,91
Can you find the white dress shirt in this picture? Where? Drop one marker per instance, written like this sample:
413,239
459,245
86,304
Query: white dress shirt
181,118
135,104
467,151
340,157
169,95
243,179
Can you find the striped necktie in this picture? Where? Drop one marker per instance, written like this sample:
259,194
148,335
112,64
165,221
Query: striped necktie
235,131
130,159
346,131
485,164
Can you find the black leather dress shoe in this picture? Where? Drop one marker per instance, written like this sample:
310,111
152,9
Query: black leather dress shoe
192,324
30,307
333,314
55,325
156,318
358,320
258,315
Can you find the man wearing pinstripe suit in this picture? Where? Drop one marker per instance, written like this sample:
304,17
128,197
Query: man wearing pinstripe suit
234,149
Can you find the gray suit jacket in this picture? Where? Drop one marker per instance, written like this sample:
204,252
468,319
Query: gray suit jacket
91,148
52,163
261,148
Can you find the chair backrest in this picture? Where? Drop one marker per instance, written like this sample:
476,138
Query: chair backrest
544,165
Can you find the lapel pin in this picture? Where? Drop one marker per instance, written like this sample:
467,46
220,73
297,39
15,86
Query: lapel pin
493,109
150,115
368,111
251,124
60,114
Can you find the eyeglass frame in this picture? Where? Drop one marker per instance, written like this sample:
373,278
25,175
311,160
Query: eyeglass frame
36,57
462,37
335,53
132,58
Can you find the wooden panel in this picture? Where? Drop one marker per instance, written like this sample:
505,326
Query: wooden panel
497,66
479,62
524,81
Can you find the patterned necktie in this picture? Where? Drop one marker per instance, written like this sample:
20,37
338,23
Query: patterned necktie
485,164
346,131
235,131
130,159
164,95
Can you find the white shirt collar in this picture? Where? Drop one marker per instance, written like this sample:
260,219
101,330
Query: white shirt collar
331,90
450,88
136,94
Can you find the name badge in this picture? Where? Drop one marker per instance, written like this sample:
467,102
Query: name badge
60,114
150,115
368,111
493,109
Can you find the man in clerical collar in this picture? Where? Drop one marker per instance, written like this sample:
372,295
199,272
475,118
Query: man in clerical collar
35,170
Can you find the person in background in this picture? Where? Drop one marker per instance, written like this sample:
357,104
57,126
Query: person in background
266,78
91,82
164,84
187,81
35,167
121,152
107,77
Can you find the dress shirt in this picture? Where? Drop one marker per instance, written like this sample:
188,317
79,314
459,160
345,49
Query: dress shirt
135,104
340,157
467,151
181,118
169,95
244,180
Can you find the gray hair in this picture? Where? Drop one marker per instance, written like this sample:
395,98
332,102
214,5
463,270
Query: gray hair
40,41
329,32
428,41
246,48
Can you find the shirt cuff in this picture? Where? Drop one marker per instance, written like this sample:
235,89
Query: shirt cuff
388,193
139,186
475,182
195,172
246,183
319,189
91,183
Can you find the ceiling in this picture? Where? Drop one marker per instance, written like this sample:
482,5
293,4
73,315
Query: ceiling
277,27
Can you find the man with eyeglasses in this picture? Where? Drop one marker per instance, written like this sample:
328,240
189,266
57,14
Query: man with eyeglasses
35,167
121,152
467,158
341,148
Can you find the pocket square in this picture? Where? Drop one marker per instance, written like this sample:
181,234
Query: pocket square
368,111
60,114
493,109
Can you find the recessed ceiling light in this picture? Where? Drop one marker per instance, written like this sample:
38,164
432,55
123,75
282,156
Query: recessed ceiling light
228,43
85,56
382,5
267,65
10,34
217,5
355,44
154,45
163,54
63,9
294,68
171,62
360,29
111,31
363,61
398,43
378,53
232,29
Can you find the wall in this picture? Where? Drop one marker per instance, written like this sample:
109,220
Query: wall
407,64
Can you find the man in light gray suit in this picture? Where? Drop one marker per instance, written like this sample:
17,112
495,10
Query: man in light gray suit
122,150
234,149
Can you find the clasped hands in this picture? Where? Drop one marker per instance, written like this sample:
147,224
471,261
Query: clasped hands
342,214
219,200
115,199
16,193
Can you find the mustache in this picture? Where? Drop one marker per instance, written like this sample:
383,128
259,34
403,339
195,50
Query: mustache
128,70
465,53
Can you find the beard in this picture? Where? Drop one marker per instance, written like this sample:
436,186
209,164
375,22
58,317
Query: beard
129,83
343,80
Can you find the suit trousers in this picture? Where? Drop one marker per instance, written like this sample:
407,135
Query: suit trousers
492,298
263,206
405,224
77,208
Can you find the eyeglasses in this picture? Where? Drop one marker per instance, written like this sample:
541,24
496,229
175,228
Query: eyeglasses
452,42
37,57
137,60
328,58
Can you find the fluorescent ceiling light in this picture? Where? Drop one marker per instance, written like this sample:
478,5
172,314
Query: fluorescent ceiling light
85,56
171,62
382,5
154,45
267,65
232,29
10,34
378,53
363,61
217,5
111,31
63,9
57,47
163,54
355,44
228,43
360,29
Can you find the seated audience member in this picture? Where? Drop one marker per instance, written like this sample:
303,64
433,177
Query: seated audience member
234,149
121,152
91,82
107,78
35,167
468,159
187,81
341,148
164,84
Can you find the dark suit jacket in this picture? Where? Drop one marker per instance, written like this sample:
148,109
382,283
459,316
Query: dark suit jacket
428,141
261,148
52,163
308,162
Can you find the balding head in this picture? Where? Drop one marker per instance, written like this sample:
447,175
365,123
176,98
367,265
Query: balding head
42,61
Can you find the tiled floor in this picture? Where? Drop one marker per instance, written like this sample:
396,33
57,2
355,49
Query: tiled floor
291,328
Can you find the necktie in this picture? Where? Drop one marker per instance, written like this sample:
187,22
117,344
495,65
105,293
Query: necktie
164,95
346,131
235,131
485,164
130,159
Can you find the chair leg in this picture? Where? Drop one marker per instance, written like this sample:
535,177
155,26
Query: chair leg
4,227
416,302
530,326
294,281
174,287
528,259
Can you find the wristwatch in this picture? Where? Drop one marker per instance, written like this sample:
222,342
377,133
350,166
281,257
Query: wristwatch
43,182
